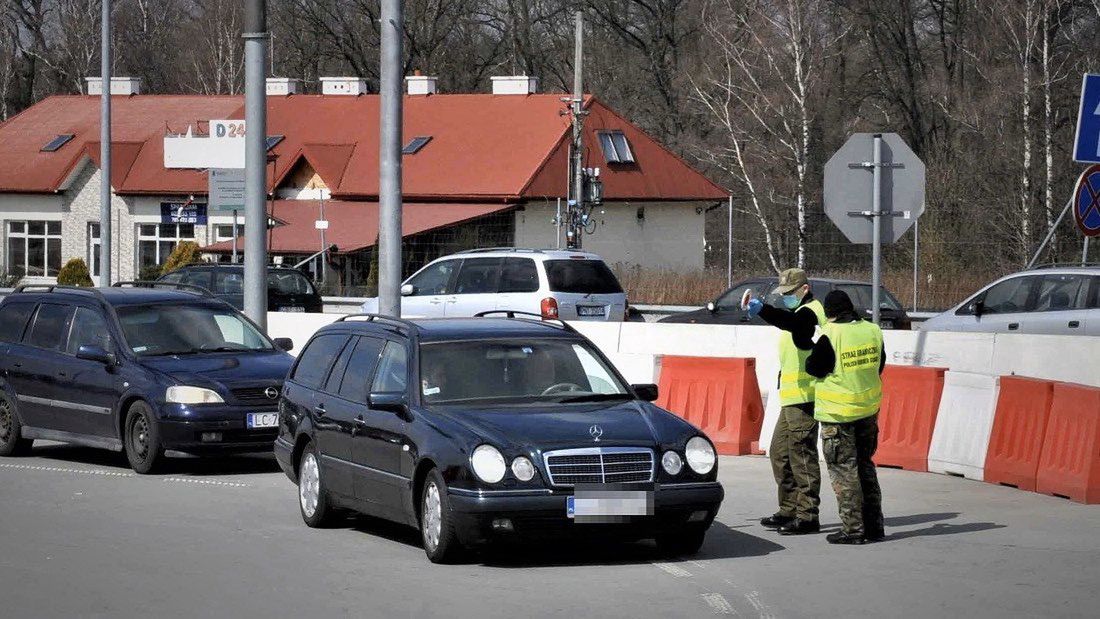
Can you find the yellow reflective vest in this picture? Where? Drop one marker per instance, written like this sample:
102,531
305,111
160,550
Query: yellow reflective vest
795,385
854,389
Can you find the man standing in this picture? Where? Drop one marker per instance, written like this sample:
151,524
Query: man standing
849,358
793,451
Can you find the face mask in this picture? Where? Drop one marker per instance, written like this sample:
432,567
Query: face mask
789,301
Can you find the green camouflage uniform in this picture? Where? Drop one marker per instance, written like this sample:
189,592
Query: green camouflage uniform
793,455
848,451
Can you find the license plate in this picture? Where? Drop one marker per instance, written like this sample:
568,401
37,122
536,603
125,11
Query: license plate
608,505
263,420
886,324
292,308
591,310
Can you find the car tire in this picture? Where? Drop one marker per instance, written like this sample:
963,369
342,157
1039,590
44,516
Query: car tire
313,501
681,543
141,441
437,527
12,442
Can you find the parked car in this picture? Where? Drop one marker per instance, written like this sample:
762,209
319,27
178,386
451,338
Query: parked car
477,429
288,290
726,309
141,370
566,285
1049,300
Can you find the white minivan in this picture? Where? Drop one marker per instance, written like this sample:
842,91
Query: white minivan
556,284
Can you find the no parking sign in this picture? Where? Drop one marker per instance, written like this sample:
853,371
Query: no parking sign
1086,202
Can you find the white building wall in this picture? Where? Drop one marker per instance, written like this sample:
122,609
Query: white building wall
670,236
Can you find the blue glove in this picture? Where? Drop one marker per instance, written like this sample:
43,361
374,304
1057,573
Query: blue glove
755,305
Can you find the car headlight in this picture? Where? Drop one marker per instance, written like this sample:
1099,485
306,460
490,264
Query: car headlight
523,469
192,395
672,463
488,464
700,455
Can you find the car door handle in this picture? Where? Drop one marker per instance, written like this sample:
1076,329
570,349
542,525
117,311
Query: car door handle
1012,326
62,374
435,301
320,410
1073,324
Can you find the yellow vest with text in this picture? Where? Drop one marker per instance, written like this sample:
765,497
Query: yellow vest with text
854,390
795,385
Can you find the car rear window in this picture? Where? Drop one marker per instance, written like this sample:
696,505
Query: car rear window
288,282
581,277
13,320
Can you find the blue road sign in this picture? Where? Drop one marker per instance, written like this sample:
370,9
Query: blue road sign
1086,143
1086,202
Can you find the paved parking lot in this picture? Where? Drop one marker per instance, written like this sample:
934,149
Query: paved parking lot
82,536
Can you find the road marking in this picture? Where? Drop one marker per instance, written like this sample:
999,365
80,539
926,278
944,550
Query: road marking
207,482
719,604
54,469
672,570
698,565
759,605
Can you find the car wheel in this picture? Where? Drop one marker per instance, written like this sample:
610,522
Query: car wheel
681,543
312,495
437,528
12,442
142,440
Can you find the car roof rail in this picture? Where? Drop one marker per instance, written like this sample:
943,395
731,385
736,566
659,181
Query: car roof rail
29,288
485,250
520,315
1065,265
397,322
172,285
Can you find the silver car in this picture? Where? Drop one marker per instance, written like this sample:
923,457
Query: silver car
1051,300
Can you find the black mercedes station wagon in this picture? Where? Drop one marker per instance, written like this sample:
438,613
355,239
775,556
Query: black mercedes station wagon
485,428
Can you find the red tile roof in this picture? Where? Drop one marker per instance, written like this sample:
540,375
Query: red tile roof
483,147
354,225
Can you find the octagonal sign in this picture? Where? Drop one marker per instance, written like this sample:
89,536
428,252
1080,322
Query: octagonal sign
849,187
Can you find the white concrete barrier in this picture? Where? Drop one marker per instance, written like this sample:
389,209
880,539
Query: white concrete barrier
637,368
771,416
298,327
964,423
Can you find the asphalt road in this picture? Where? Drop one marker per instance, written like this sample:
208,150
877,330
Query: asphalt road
82,536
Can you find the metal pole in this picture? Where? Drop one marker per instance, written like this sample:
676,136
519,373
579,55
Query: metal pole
1085,252
1050,234
389,191
916,259
557,222
255,216
729,245
876,232
576,207
323,246
105,149
235,236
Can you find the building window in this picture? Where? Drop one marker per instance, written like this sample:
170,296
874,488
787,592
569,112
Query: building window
93,247
616,148
34,248
224,232
157,241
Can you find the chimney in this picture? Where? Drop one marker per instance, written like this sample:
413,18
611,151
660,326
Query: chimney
418,84
122,86
515,85
283,86
344,86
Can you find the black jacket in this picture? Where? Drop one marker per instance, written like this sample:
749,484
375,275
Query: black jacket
801,325
822,359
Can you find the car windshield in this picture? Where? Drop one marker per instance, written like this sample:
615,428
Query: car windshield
581,277
535,371
158,330
288,282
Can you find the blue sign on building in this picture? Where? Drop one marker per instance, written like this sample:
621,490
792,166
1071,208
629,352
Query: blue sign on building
1086,144
183,213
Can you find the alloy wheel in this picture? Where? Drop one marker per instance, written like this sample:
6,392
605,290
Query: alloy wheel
309,485
433,516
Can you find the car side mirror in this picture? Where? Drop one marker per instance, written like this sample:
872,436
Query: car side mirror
408,290
284,344
711,307
390,401
646,392
97,353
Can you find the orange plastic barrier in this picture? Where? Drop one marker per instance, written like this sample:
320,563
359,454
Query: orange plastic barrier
1019,427
719,395
910,400
1070,463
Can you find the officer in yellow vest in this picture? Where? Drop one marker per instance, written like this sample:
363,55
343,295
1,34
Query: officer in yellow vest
793,450
849,358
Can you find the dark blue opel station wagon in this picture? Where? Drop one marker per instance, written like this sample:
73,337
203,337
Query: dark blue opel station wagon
485,428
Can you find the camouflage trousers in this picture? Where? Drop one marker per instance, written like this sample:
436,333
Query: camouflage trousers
848,451
793,454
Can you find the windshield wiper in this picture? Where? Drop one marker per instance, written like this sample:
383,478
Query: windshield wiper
175,353
596,397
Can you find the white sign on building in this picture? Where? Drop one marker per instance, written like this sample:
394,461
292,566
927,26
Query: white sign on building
222,148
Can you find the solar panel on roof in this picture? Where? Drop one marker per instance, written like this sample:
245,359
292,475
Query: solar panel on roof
616,148
56,143
415,145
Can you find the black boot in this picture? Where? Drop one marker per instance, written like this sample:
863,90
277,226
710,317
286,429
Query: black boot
800,527
874,534
840,537
775,521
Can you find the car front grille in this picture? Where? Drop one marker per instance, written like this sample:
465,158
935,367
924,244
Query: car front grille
599,465
257,395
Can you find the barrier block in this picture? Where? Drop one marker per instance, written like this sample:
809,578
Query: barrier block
1070,462
767,428
910,401
1019,427
718,395
964,422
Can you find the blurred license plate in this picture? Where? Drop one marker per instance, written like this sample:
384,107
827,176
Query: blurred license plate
886,324
292,308
583,310
608,505
263,420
